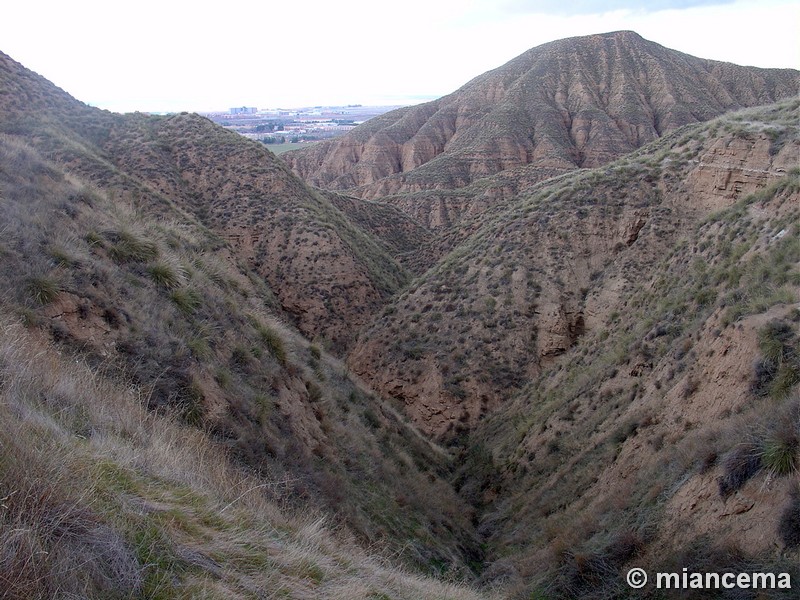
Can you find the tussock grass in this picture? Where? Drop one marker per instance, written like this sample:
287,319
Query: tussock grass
187,300
43,289
130,246
166,275
273,342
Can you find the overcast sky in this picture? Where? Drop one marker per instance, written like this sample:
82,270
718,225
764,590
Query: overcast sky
170,56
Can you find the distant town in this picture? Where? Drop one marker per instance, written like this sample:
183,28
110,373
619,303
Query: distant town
286,129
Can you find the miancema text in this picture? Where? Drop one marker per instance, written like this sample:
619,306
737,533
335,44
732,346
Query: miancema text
716,581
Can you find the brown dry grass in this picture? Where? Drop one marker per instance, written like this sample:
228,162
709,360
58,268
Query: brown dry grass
102,498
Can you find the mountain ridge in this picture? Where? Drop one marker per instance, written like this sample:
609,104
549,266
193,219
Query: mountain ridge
578,102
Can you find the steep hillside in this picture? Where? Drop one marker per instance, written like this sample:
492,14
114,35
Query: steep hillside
553,264
328,274
546,382
103,499
668,436
616,354
579,102
103,255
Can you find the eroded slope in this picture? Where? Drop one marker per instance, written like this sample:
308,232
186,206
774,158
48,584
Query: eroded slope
579,102
543,271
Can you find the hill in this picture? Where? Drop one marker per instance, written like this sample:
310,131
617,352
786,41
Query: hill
118,256
614,353
220,381
285,232
574,103
538,272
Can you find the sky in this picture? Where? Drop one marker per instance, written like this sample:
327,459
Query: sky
165,55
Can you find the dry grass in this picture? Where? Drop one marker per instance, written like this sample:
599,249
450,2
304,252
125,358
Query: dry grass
103,498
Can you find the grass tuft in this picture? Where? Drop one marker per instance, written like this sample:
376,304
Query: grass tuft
186,299
43,289
131,247
273,342
165,275
780,456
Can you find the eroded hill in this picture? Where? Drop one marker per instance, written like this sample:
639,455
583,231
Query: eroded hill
579,102
328,274
117,252
588,372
